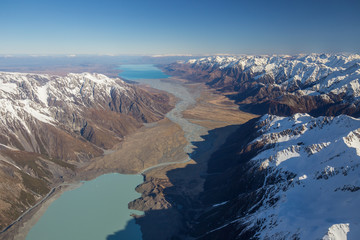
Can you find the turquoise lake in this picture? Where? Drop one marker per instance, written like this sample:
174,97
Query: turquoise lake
141,71
96,210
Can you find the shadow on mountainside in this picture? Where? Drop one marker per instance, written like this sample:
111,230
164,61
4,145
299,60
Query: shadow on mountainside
186,193
131,232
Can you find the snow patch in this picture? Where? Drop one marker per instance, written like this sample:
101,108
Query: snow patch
42,94
337,232
220,204
303,177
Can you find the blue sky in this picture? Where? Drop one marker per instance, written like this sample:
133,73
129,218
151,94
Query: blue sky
178,27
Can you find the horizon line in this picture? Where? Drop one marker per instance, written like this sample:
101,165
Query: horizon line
169,55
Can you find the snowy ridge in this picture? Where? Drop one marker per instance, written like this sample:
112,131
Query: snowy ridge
337,232
26,99
315,163
314,74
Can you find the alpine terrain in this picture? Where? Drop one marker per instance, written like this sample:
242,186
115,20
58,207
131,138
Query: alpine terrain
180,120
279,158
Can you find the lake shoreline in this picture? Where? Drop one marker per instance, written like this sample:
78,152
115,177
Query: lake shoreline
20,228
95,210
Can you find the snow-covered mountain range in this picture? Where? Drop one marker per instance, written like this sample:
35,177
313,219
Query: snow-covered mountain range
29,100
304,75
323,84
298,178
315,162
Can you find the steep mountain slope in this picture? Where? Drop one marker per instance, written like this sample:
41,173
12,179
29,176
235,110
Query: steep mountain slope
284,178
320,84
50,125
76,102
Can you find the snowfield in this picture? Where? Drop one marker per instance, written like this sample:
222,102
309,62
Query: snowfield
315,162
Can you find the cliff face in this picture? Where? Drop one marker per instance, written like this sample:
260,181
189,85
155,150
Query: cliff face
50,125
283,85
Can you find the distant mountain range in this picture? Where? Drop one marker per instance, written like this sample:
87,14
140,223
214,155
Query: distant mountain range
319,84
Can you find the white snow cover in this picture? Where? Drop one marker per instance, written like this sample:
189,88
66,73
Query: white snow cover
311,74
337,232
321,156
24,98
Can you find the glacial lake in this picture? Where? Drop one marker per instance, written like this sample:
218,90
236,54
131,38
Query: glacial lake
97,210
141,71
